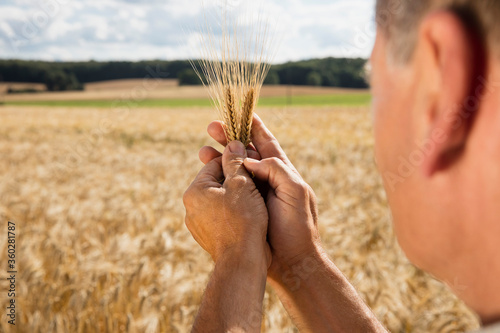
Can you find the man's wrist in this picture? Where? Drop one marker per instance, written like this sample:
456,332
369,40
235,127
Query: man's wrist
254,261
234,295
293,273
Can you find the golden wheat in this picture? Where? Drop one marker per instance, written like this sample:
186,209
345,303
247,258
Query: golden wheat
102,242
234,69
230,114
247,117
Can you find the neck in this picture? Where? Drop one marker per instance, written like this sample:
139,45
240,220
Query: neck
485,295
476,281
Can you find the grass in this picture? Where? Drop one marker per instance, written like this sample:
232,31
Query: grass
361,99
102,246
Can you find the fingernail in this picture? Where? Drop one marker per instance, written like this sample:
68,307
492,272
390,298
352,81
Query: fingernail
237,147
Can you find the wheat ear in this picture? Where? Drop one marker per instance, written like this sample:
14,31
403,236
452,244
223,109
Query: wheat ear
247,117
232,121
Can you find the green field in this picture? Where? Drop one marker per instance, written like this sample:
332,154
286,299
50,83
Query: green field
323,100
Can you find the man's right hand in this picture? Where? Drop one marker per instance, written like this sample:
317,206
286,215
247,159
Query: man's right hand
293,233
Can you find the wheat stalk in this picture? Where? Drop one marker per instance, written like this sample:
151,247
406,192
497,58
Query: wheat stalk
233,68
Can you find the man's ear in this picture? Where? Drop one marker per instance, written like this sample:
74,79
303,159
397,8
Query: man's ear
457,55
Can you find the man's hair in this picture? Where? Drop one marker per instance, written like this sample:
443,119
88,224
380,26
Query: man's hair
400,20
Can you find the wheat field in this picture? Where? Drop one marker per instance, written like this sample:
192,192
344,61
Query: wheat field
97,198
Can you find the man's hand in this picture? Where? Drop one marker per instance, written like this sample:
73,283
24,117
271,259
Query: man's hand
230,222
228,218
293,233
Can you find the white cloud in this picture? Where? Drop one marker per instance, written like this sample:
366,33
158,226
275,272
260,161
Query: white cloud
147,29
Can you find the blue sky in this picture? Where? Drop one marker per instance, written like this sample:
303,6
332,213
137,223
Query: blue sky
165,29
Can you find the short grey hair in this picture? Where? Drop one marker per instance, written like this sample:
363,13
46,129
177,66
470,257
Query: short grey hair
400,21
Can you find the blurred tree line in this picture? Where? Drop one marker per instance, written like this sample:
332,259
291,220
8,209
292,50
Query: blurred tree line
328,72
59,76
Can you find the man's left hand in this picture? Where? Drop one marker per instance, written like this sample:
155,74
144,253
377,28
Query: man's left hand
228,219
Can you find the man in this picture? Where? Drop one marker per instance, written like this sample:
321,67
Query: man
436,100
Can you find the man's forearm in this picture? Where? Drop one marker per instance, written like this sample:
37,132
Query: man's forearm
233,299
319,298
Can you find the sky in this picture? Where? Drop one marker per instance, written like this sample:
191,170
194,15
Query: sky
80,30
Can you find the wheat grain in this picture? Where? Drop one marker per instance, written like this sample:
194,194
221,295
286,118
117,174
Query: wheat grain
247,117
231,116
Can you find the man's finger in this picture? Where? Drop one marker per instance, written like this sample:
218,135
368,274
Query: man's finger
266,144
216,131
208,153
211,173
272,170
232,160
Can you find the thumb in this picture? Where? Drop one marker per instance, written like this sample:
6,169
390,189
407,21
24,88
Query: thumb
232,160
273,171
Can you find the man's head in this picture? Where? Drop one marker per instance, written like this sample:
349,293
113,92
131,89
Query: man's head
436,88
